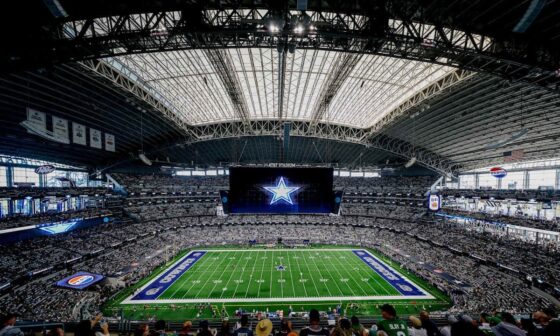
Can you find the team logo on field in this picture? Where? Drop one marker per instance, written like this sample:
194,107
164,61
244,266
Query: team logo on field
153,291
280,268
80,280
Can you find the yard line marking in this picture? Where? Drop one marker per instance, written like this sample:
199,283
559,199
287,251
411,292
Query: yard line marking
281,281
241,275
342,277
252,273
327,285
287,299
209,278
300,273
284,250
291,276
262,272
271,268
234,258
309,275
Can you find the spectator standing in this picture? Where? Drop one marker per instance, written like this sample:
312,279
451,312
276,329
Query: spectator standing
204,329
314,328
86,327
357,328
391,325
547,319
142,330
343,328
8,326
286,329
186,330
428,324
225,329
244,330
508,327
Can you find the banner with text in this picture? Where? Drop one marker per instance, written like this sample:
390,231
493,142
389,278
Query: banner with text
60,129
37,118
79,134
109,142
95,138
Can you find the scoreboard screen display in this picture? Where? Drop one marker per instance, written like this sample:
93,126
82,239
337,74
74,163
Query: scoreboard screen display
280,190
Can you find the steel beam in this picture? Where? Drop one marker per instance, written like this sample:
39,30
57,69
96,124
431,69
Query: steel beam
222,63
244,28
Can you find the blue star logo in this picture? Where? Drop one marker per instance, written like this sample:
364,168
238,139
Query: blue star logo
281,192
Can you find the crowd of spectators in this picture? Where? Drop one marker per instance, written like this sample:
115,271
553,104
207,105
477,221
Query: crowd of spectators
519,220
503,193
129,249
160,183
481,287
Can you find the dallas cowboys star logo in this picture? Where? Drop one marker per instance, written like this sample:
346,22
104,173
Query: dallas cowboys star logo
281,192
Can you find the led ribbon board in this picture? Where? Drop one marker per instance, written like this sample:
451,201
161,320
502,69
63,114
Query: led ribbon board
58,227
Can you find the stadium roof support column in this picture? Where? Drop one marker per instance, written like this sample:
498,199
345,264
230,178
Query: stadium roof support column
345,63
223,65
281,80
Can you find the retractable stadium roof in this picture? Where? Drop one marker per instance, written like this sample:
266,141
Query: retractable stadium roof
353,83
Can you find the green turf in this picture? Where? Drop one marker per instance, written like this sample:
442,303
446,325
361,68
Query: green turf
249,275
253,274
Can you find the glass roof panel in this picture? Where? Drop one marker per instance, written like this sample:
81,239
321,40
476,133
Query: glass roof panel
193,83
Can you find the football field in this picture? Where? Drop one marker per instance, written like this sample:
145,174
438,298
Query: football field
288,275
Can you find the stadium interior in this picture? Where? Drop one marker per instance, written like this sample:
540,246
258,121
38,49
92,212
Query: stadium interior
280,167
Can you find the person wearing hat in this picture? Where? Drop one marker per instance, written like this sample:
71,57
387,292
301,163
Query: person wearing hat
416,329
264,328
314,328
8,323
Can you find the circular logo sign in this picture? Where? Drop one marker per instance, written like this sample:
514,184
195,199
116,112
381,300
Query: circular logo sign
80,280
498,172
45,169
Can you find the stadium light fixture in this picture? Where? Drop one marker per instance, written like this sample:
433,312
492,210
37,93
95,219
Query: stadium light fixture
299,29
144,159
410,162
